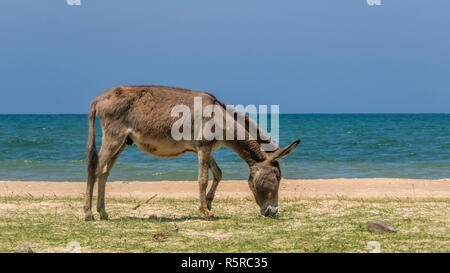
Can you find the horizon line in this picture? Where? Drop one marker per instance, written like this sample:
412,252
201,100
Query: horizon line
287,113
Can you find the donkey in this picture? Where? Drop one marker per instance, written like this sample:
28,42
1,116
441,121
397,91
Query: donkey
142,115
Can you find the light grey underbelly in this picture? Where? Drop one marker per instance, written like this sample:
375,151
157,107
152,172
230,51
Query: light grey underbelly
164,150
167,148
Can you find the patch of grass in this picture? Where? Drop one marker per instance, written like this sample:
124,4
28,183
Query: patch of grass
169,225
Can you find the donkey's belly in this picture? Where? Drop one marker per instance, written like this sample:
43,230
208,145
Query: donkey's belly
164,149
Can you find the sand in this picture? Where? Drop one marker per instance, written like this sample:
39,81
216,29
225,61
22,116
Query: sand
366,188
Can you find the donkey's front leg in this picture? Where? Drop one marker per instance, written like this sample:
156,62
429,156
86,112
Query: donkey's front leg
204,157
217,174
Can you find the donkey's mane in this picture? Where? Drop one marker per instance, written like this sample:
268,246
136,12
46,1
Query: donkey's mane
261,137
250,149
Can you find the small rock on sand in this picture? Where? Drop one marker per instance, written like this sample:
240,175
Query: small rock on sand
380,226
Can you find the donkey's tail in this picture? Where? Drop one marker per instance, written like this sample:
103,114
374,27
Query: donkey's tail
92,155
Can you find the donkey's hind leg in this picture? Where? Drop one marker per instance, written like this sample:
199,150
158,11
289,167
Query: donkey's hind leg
217,174
88,202
111,149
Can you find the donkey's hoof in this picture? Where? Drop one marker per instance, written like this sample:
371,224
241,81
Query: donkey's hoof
207,213
209,205
209,216
89,218
104,216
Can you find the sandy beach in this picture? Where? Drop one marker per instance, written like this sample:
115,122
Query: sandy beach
366,188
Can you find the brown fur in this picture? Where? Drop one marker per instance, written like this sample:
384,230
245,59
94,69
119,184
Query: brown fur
142,114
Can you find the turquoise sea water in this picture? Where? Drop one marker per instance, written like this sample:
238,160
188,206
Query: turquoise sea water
52,148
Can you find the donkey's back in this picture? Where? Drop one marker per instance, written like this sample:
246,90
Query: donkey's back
140,106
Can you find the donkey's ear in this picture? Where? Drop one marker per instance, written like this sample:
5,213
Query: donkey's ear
280,153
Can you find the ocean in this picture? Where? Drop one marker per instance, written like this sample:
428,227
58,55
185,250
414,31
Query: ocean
52,148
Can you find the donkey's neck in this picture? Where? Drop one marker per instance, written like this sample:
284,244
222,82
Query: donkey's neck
248,150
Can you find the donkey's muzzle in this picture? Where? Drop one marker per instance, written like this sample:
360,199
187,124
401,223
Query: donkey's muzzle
269,210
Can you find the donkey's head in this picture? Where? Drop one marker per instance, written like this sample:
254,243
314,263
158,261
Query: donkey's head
265,177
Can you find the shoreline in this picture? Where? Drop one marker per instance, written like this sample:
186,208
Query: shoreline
361,188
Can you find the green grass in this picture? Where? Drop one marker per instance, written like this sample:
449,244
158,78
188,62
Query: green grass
167,225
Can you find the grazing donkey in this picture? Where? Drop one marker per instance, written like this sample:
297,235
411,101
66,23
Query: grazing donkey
143,115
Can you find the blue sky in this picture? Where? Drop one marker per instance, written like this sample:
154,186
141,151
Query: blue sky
313,56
